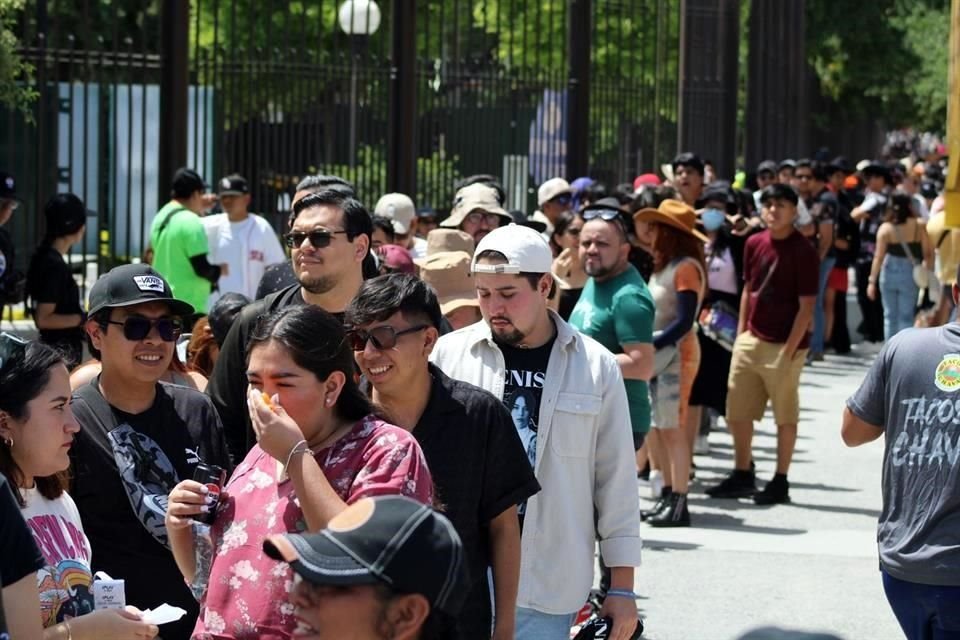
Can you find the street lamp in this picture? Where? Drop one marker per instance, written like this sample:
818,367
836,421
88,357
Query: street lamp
359,19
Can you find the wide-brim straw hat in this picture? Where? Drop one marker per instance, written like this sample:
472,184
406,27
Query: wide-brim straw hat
674,213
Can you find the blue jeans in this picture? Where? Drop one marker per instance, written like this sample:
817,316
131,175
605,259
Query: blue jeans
534,625
819,317
899,294
925,612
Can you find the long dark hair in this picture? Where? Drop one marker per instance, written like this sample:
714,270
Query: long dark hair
23,377
671,243
316,341
901,208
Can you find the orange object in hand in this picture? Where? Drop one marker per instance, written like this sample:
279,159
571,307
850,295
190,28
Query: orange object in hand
266,400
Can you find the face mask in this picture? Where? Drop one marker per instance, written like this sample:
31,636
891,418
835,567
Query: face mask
712,219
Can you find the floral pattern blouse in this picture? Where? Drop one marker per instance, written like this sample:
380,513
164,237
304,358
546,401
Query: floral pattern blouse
247,592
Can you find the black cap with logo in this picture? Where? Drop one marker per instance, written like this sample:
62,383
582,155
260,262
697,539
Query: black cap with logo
389,540
131,284
233,185
8,187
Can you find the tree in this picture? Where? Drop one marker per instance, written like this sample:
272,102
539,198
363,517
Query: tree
15,92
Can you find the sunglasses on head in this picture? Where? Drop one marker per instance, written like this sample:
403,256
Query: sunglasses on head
11,347
381,337
318,239
136,328
603,214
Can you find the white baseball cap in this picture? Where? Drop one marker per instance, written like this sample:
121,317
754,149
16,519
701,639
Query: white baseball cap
551,189
399,208
525,249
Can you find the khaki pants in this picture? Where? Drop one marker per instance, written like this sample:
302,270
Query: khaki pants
755,378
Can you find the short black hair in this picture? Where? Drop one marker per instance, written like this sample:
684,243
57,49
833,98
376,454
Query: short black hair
532,278
223,312
381,297
688,159
321,182
356,218
779,191
102,318
385,224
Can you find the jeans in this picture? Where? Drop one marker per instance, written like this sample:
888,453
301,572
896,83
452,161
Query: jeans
925,612
899,293
819,318
535,625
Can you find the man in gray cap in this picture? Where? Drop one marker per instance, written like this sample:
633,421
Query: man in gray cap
477,211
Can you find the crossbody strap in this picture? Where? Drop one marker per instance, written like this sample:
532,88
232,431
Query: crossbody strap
166,221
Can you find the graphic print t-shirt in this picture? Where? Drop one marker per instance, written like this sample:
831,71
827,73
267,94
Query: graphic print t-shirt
65,581
912,391
526,370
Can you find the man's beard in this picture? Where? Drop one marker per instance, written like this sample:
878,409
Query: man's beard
317,285
598,271
512,338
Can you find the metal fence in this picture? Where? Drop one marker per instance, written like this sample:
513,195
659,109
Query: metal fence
276,89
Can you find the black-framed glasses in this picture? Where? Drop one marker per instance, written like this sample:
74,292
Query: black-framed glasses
477,217
381,337
318,239
562,199
11,347
137,328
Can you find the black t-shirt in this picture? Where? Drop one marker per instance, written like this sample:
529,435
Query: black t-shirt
7,254
124,467
49,280
824,208
479,470
276,277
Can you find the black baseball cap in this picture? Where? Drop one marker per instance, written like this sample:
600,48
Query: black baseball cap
233,185
8,187
928,189
779,191
389,540
767,166
65,214
878,168
786,164
186,182
839,164
131,284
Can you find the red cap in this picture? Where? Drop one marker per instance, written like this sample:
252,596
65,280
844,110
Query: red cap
646,180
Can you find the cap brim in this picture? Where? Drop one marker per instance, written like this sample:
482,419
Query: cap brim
177,307
321,562
232,192
455,301
653,215
399,227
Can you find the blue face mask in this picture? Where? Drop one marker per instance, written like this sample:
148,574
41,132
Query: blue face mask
712,219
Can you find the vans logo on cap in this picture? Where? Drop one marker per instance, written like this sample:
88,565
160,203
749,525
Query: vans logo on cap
225,183
10,183
149,283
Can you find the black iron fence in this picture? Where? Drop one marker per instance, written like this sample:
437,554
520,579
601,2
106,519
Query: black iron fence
277,89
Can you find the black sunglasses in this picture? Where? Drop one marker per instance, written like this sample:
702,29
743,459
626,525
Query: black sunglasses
137,328
381,337
11,347
318,239
563,198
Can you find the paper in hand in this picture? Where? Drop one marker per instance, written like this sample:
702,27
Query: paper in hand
163,614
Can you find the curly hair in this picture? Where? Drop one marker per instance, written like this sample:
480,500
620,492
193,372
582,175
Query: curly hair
671,243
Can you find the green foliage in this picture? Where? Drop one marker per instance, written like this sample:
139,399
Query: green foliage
886,59
15,73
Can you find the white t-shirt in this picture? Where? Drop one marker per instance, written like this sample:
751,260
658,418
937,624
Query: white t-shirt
721,271
248,247
419,248
65,582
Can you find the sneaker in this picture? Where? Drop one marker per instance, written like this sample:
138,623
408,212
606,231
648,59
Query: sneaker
645,474
661,504
777,491
676,515
702,446
739,484
656,484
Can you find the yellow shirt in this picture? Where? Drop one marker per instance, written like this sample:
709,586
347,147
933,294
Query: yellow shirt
948,253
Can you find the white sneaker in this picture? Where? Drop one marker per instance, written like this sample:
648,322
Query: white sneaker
656,484
702,445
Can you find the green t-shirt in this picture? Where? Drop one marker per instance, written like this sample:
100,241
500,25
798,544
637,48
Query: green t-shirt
615,312
183,238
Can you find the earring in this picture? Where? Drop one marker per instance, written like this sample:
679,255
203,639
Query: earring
8,442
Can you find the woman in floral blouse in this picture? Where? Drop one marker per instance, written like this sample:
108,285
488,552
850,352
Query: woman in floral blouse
318,450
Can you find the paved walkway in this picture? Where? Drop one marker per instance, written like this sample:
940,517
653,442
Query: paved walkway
809,565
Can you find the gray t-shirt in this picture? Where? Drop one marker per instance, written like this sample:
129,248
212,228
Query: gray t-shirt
912,391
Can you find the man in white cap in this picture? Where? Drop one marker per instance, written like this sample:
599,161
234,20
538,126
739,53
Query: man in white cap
553,197
567,399
477,211
399,208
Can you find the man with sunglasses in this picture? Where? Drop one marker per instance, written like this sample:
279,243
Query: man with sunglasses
575,405
139,437
477,211
329,239
554,197
468,439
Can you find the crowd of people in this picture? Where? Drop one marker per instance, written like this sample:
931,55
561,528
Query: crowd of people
401,426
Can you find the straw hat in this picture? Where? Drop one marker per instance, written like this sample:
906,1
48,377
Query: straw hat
674,213
475,197
448,273
445,240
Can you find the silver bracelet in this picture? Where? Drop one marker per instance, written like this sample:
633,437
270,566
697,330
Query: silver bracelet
296,449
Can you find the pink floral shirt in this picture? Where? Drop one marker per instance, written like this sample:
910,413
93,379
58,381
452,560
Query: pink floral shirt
247,594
